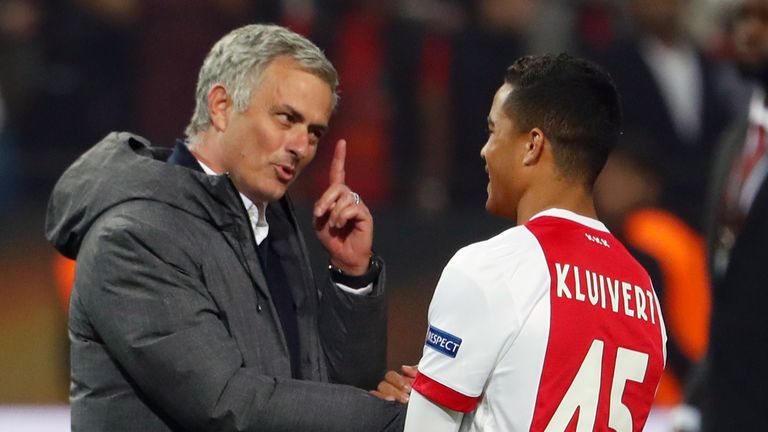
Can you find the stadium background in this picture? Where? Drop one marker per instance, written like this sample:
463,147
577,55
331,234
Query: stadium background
417,80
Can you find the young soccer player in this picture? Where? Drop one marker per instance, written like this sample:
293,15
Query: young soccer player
550,325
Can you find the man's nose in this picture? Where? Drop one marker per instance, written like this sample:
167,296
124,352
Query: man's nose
299,142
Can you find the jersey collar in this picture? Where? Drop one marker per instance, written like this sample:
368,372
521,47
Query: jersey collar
567,214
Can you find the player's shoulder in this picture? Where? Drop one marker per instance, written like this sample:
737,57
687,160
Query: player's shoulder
502,253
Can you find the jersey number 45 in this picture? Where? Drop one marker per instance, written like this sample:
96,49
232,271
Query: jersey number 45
584,391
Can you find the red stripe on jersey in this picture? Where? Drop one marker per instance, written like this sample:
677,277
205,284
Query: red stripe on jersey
604,355
443,395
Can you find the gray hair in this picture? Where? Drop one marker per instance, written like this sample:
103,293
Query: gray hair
238,60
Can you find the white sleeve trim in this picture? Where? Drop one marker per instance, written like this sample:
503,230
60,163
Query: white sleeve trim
356,291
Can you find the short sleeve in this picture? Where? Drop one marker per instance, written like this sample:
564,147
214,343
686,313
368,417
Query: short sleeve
464,340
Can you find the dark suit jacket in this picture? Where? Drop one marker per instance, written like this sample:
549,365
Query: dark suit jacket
172,323
736,387
647,123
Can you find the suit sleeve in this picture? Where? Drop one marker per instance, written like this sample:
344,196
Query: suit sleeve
354,334
145,297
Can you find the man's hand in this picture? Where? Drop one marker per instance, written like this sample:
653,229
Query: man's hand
344,226
395,386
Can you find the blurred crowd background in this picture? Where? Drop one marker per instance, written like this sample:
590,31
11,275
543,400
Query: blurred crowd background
417,80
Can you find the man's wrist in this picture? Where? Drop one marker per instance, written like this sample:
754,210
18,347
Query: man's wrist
359,281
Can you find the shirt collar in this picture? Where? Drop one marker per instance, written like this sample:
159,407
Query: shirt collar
259,209
567,214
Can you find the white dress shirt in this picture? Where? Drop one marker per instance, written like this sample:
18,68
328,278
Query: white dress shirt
260,227
758,117
676,70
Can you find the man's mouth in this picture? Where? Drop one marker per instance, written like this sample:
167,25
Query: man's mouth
285,172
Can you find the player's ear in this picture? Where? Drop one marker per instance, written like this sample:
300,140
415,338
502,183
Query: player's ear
534,147
219,106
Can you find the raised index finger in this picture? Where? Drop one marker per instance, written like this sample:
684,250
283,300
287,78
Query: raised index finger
336,174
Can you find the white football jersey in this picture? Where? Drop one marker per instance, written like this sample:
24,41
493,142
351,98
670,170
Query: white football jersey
549,326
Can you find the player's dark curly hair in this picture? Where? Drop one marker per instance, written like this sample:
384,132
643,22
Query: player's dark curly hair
574,102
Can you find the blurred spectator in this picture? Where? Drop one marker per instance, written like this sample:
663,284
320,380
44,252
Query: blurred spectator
736,393
422,49
553,26
84,87
298,15
399,64
21,60
173,39
20,49
108,65
672,94
627,195
8,164
494,36
355,35
598,24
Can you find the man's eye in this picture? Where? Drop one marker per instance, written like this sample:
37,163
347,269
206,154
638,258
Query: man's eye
284,118
316,133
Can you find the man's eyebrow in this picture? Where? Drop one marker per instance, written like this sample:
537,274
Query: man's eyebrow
298,117
293,113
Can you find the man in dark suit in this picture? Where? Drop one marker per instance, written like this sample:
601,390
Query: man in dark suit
194,306
671,100
736,393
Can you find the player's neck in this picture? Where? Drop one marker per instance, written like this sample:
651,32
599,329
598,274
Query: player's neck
563,195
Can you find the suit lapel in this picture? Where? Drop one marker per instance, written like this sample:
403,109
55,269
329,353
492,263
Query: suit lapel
240,240
283,238
294,258
237,235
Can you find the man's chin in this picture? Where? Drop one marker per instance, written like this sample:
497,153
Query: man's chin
267,196
277,196
278,190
